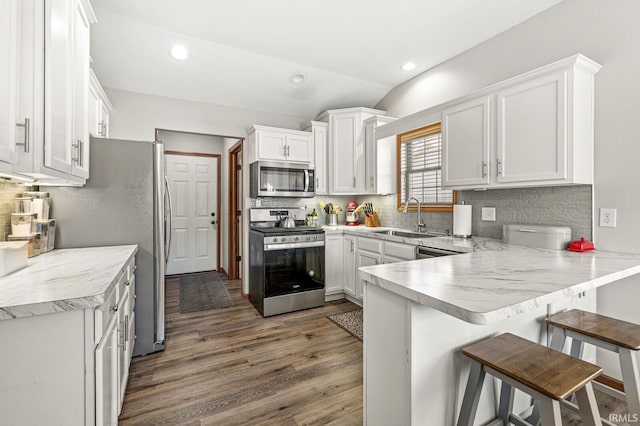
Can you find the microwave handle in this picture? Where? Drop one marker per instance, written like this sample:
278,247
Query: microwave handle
306,180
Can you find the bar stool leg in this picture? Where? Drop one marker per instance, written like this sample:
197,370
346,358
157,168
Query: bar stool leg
588,406
577,346
550,412
505,408
631,379
558,338
472,394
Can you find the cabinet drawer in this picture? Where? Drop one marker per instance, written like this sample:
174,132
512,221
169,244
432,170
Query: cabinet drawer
370,244
104,313
399,250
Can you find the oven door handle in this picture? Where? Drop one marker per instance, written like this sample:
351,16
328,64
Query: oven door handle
274,247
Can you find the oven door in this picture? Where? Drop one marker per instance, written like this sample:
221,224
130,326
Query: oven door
293,269
281,180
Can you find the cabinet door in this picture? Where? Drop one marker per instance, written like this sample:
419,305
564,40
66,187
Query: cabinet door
81,91
104,120
334,268
365,258
124,355
466,135
94,111
370,155
10,18
344,151
59,84
270,145
320,157
107,376
298,148
532,131
349,252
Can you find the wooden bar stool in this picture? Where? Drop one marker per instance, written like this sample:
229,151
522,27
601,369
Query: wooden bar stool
547,375
604,332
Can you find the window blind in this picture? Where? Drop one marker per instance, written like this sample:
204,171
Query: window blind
421,168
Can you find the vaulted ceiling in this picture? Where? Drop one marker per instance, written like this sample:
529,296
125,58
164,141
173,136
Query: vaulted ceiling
242,53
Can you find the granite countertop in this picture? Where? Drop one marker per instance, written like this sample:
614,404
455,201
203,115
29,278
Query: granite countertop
498,281
62,280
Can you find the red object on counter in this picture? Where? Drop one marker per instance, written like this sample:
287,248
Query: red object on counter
581,246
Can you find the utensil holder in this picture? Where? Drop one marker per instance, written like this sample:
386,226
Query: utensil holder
371,220
332,219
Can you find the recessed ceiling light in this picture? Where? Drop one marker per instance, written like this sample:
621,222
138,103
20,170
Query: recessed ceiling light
297,78
408,66
179,52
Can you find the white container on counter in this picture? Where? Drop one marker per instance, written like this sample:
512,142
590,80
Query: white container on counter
540,236
33,241
40,203
13,256
23,224
22,205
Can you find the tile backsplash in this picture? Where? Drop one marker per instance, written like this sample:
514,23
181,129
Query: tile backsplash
558,205
8,191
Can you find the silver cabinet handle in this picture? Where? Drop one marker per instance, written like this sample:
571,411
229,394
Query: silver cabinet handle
26,125
114,308
484,169
126,331
81,154
121,336
288,150
317,182
127,283
354,181
499,168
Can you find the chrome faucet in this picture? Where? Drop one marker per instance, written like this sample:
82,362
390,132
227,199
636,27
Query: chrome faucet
420,227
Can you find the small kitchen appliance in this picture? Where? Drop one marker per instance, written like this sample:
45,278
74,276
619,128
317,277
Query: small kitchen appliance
286,265
352,216
540,236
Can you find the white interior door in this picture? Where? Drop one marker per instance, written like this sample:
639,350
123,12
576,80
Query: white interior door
193,185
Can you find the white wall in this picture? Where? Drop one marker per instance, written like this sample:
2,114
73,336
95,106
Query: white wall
136,116
605,31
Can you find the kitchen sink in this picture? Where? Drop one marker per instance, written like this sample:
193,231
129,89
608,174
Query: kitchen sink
406,234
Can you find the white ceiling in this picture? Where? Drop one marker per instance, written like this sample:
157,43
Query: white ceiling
242,52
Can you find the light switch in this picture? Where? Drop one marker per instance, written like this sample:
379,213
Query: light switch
489,214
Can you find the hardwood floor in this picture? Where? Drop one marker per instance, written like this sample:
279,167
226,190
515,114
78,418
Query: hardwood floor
233,367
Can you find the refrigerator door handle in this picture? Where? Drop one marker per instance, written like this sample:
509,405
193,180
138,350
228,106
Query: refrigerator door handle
168,234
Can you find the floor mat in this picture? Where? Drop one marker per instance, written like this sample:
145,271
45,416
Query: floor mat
201,292
350,321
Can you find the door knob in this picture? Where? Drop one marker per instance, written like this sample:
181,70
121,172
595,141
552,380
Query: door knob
213,214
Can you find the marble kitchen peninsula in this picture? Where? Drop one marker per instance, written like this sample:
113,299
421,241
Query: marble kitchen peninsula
419,314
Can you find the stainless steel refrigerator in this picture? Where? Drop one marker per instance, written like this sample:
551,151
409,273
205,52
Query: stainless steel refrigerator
123,202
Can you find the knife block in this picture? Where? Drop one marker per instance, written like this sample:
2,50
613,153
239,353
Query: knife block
371,220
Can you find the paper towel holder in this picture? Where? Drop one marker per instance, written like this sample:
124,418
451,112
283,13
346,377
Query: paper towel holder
462,220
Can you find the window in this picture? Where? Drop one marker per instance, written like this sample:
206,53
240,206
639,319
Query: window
420,169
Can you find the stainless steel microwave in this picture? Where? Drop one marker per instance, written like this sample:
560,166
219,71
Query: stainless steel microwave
275,179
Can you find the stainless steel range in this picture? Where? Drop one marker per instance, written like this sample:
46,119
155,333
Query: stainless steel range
286,264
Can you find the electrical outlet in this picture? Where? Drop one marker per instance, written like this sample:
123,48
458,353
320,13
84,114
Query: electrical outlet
608,218
489,214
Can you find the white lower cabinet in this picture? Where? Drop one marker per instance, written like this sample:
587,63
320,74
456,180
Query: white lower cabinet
365,258
69,367
349,259
334,267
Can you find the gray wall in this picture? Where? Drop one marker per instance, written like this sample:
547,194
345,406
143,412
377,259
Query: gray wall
605,31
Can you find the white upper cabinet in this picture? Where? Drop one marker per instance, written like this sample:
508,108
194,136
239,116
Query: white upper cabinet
67,86
319,131
44,85
99,108
532,130
380,158
347,170
10,26
466,137
272,143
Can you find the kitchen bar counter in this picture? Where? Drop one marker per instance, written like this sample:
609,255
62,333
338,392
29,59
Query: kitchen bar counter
62,280
501,282
419,314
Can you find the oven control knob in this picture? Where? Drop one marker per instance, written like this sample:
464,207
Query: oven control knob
275,240
295,238
308,238
283,239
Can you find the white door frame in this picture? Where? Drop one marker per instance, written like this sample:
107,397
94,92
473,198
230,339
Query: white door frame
218,158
